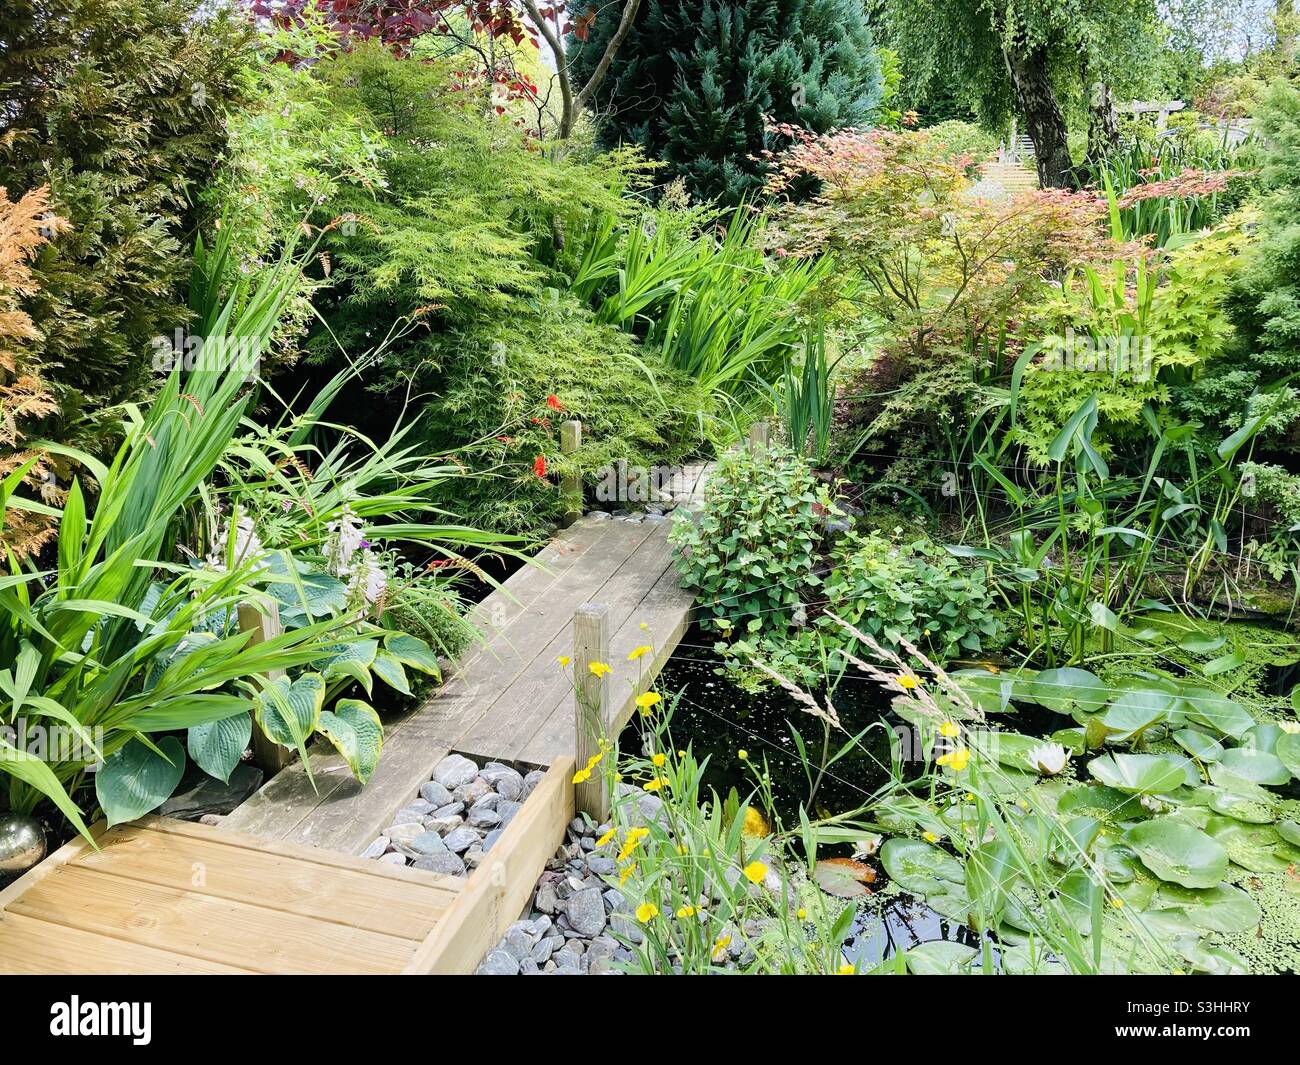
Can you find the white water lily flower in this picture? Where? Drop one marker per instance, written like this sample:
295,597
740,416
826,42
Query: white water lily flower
1048,758
345,540
1292,727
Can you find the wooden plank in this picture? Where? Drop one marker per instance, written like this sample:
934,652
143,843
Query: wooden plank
325,811
666,610
498,889
204,927
271,880
474,718
29,947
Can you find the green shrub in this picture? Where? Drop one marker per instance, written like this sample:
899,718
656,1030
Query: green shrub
913,591
119,106
751,553
503,386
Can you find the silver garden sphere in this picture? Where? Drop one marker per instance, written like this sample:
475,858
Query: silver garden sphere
22,843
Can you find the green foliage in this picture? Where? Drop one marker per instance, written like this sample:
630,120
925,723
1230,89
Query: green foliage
493,380
751,554
117,105
1267,303
915,592
695,83
1130,336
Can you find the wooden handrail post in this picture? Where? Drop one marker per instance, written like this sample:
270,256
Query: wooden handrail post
591,705
571,481
758,432
264,623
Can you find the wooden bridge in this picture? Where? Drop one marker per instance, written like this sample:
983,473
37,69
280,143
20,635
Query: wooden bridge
278,887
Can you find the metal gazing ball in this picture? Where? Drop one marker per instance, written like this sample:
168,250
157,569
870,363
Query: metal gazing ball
22,843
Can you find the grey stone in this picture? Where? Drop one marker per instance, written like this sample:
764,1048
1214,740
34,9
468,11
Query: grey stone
443,825
376,849
452,809
415,811
615,902
443,862
528,967
454,770
542,951
428,843
393,858
586,912
601,866
404,833
434,793
483,817
520,944
506,810
470,793
625,926
490,839
505,781
498,963
460,840
473,857
545,900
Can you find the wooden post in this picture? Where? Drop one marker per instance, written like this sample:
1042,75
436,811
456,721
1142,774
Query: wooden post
571,482
758,432
268,755
591,704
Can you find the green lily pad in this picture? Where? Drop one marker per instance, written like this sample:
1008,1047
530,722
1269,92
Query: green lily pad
1200,746
1222,908
1249,808
1133,712
1289,831
1287,750
915,865
1214,709
1258,767
939,957
1249,846
1179,853
1145,774
1068,691
991,692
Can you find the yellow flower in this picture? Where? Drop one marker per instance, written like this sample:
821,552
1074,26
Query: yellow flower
755,825
801,913
743,755
660,759
654,785
720,947
606,838
598,669
949,730
647,911
906,681
1117,902
755,872
632,840
845,970
681,754
647,701
686,911
955,760
992,669
627,871
564,660
581,775
618,778
644,649
643,626
681,849
930,837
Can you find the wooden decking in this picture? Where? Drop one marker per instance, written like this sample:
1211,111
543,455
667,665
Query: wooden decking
509,699
163,896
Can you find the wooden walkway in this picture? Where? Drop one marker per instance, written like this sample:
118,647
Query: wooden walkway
508,700
163,896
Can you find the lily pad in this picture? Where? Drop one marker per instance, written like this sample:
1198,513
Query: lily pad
1208,707
915,865
1258,767
1145,774
1249,846
1068,691
1222,908
1179,853
1289,831
1288,752
939,957
1200,746
843,877
1133,712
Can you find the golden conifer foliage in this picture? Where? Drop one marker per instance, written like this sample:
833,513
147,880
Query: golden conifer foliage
25,225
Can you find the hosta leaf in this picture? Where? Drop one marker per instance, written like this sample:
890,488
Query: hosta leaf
353,660
134,779
391,672
356,732
217,746
412,651
287,712
1179,853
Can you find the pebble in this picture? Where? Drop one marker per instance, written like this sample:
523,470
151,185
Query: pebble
435,794
454,770
428,843
586,912
498,963
460,840
443,862
379,847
